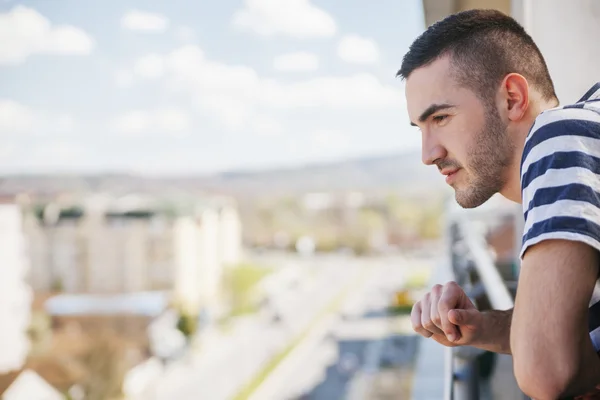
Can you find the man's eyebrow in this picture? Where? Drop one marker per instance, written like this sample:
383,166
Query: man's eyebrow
432,109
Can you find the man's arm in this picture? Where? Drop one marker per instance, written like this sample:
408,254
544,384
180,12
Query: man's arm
552,351
495,332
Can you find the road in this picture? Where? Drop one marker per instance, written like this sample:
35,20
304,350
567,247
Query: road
226,362
345,361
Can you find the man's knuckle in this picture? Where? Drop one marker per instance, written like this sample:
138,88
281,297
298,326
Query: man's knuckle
428,324
421,330
426,299
445,303
451,285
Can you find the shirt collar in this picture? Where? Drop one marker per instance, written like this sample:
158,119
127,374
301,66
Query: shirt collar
591,94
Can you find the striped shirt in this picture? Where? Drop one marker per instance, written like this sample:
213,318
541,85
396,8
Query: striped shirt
560,182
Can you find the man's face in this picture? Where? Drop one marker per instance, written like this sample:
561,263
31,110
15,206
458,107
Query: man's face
463,136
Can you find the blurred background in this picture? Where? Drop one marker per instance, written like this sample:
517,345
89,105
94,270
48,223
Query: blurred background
225,200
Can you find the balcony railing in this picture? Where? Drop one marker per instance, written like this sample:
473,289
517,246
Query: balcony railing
474,269
471,264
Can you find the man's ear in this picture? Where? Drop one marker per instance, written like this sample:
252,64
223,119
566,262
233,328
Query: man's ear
514,93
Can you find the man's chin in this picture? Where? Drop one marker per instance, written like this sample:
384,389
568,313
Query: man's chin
464,204
467,199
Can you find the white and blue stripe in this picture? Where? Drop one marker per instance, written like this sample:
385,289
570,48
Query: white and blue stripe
560,182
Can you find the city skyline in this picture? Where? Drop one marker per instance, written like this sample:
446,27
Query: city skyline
198,87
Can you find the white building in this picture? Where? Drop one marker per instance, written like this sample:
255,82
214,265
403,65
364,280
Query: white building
209,258
15,295
111,248
198,265
116,255
187,273
230,236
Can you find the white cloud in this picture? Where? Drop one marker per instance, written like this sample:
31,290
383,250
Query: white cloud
240,99
149,67
143,21
300,61
55,155
233,113
295,18
266,126
48,156
328,143
357,50
185,34
7,150
240,87
172,120
24,31
15,118
18,119
64,123
124,78
359,91
139,123
327,139
133,123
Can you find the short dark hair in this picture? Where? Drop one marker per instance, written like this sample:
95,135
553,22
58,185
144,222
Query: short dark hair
484,46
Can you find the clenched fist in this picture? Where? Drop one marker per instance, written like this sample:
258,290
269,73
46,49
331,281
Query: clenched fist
448,316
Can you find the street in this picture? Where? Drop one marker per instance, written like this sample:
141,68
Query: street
328,321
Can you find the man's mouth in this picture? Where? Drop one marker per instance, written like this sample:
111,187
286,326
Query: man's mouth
450,174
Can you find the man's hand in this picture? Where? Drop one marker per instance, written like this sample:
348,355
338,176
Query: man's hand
448,316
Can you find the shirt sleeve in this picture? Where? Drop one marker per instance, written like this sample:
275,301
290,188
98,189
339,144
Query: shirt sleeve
560,179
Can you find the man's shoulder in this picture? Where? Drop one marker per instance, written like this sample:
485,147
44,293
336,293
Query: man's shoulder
555,127
585,111
561,139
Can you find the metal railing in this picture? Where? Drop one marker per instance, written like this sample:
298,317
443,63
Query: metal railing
474,269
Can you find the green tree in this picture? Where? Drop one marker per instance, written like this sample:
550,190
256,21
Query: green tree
239,285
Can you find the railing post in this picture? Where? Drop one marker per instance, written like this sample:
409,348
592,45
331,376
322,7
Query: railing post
466,379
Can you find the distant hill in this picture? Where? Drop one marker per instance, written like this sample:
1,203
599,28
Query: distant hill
398,171
403,172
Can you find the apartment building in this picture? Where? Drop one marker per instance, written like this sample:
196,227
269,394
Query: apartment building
15,294
127,246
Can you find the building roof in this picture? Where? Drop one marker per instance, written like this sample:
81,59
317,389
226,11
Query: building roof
29,385
148,304
59,374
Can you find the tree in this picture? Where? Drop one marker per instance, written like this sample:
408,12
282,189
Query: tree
106,365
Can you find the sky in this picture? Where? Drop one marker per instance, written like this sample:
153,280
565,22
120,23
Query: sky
181,86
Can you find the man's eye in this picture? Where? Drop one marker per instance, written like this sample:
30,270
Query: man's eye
439,118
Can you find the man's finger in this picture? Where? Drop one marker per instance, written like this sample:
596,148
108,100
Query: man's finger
451,295
463,317
434,314
415,319
426,315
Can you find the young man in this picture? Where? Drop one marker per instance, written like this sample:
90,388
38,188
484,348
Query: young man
478,88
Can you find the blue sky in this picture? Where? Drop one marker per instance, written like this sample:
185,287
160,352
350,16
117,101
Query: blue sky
188,86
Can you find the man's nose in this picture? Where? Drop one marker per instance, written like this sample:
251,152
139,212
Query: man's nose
431,150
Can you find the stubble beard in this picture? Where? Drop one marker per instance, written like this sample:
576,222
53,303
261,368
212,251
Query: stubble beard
489,158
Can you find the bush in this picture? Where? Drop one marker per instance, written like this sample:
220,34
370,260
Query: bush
239,285
187,324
